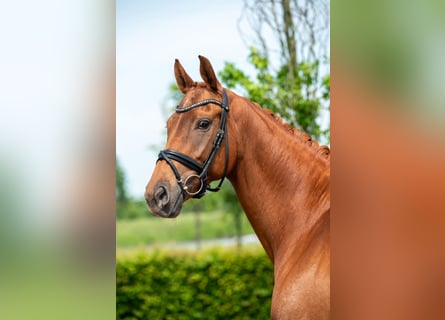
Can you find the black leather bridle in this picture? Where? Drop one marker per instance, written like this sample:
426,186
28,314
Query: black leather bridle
201,169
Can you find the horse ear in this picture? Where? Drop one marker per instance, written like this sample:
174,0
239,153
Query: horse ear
208,75
182,78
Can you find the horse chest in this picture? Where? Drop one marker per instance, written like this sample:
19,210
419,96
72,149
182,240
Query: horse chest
301,296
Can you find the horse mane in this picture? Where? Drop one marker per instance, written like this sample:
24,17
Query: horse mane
304,137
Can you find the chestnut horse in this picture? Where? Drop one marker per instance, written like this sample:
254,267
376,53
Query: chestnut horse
280,175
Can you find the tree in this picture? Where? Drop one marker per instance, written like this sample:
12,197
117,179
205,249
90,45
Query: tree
231,204
297,87
121,192
294,30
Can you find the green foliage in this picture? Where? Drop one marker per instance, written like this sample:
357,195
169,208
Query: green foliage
229,201
225,199
298,98
211,285
132,209
126,207
121,192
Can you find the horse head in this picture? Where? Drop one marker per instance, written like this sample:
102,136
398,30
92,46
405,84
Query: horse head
197,149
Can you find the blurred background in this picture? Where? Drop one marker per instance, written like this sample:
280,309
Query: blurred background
388,225
67,120
283,65
277,54
57,160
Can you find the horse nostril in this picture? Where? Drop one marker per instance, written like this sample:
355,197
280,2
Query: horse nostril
161,196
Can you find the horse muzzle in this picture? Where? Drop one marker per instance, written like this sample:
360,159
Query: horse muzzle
164,201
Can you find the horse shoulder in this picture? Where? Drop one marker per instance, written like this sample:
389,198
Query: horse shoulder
302,281
307,296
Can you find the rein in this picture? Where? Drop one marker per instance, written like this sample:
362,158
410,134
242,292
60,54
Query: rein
202,169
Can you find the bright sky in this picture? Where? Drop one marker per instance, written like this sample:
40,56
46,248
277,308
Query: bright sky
149,36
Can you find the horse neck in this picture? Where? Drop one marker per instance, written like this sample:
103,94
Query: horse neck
281,182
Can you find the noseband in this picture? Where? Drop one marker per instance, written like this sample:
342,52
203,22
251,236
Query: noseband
201,169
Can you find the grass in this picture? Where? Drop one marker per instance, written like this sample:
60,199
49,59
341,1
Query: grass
153,230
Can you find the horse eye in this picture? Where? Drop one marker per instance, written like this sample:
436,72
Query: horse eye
203,124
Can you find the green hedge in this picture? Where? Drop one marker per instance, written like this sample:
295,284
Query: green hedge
210,285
